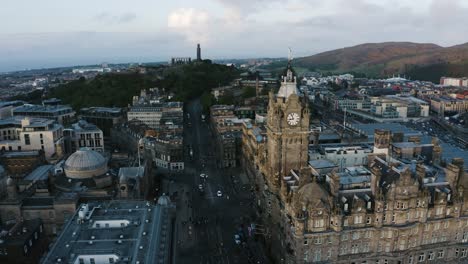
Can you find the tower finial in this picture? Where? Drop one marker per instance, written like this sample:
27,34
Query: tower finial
290,56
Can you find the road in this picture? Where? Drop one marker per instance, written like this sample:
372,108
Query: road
206,227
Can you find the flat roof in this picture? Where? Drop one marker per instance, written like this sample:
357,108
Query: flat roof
42,108
448,151
41,173
321,164
135,230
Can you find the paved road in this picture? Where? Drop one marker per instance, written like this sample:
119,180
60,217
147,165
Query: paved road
208,225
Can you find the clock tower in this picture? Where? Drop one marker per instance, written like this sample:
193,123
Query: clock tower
287,130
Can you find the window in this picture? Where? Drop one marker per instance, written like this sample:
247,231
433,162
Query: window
402,244
317,255
318,240
465,237
111,260
446,224
354,249
345,223
358,219
30,242
387,247
440,254
457,252
343,250
81,260
369,220
25,248
464,253
365,247
422,257
355,235
436,226
306,242
319,223
92,261
27,139
410,260
430,256
344,237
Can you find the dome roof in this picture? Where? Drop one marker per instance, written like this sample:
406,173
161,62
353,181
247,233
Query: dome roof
85,163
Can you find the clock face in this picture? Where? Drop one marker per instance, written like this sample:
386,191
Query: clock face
293,119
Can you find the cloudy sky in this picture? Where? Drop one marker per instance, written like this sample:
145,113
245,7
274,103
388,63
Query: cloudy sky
50,33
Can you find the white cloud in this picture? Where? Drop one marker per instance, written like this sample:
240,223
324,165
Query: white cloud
194,24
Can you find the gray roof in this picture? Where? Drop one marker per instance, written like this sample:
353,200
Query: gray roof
448,151
41,173
146,238
85,159
50,109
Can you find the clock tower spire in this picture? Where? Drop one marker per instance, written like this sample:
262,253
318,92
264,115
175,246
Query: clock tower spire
287,129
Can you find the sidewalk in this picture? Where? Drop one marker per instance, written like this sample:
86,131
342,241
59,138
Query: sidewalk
185,233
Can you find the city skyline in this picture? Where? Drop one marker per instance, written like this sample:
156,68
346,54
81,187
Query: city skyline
54,34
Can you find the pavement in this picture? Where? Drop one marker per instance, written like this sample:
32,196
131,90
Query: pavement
205,223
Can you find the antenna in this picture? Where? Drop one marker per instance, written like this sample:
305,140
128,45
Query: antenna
290,56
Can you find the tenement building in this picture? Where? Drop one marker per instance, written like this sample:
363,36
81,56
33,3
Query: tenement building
403,206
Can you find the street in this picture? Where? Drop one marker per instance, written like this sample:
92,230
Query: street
213,209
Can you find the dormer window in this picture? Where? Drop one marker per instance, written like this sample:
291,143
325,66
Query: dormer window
369,205
346,207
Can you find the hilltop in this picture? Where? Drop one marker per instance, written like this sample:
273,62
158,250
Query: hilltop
423,61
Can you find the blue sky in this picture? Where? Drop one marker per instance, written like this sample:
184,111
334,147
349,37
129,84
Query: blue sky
50,33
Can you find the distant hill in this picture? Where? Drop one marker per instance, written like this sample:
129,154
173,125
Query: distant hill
425,61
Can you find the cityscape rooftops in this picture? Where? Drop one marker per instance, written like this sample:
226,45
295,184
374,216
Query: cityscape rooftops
51,109
133,231
35,122
82,126
101,110
11,103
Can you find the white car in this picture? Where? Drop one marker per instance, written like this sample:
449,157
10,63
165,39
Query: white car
203,176
237,239
219,194
200,186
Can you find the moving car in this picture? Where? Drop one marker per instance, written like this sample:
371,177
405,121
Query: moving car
237,239
219,194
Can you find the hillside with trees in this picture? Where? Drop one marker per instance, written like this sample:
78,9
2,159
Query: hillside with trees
117,89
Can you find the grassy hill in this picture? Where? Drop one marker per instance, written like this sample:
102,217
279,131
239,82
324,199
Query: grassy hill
117,89
424,61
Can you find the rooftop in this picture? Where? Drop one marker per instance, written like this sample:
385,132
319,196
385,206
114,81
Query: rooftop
53,109
125,230
41,173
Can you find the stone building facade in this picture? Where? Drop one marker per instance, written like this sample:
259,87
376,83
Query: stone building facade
408,209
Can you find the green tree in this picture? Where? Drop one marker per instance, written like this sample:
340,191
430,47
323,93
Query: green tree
248,92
